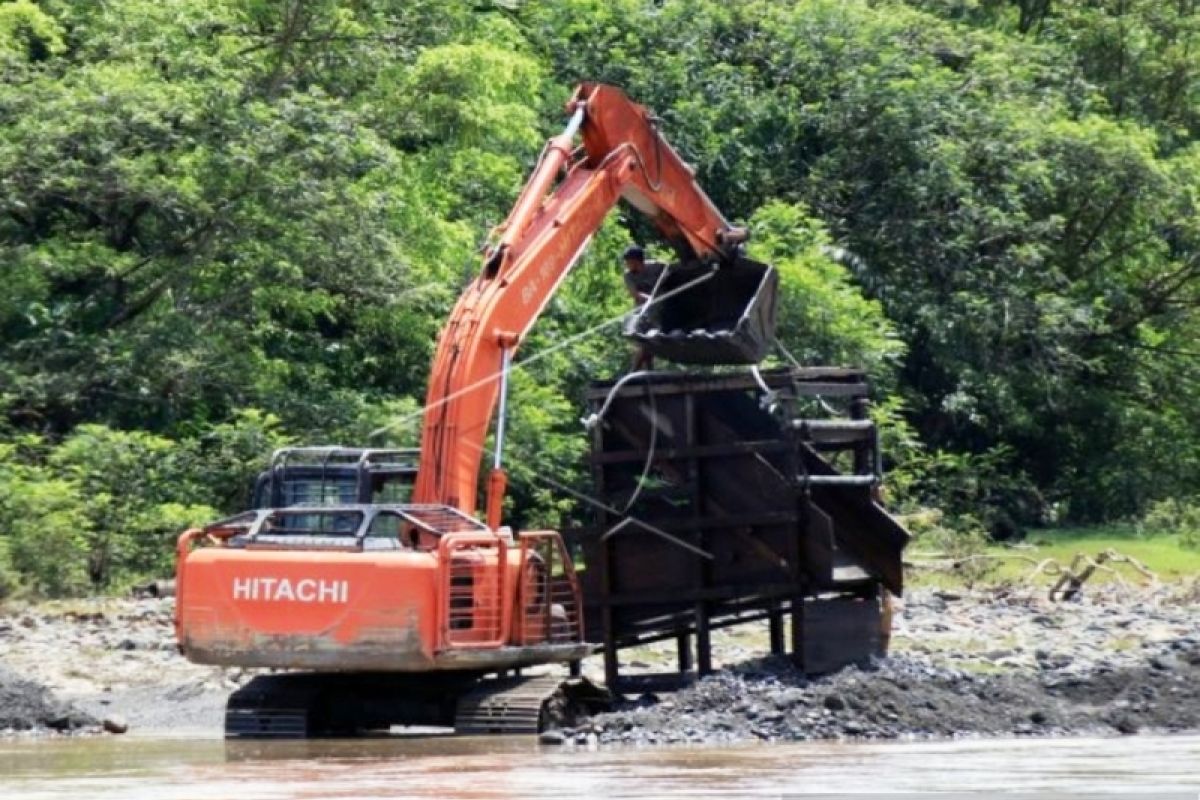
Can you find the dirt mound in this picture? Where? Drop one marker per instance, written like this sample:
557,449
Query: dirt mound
29,706
912,697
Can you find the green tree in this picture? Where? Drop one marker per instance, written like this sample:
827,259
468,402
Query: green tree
234,224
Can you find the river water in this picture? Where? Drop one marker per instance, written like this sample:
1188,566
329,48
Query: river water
178,767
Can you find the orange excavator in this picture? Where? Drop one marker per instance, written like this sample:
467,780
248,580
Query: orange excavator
397,613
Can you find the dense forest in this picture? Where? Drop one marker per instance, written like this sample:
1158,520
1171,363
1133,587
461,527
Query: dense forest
226,225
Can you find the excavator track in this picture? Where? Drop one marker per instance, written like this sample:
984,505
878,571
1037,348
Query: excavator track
306,705
527,705
506,705
272,707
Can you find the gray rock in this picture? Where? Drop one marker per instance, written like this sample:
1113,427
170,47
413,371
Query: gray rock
114,724
788,698
28,706
1164,663
1126,724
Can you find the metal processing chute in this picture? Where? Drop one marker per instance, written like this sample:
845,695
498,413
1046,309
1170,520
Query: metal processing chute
738,512
709,314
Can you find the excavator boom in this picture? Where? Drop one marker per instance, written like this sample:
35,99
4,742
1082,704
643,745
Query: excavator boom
623,156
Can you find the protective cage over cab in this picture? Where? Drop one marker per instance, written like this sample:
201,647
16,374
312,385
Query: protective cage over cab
709,314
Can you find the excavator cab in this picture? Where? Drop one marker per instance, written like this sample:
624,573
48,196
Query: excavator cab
716,313
332,475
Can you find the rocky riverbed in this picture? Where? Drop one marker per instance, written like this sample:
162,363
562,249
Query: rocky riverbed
112,662
982,663
27,706
907,697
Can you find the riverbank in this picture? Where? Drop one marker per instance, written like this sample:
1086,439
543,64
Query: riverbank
915,697
980,663
108,660
988,663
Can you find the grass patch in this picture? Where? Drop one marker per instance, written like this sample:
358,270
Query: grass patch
1163,554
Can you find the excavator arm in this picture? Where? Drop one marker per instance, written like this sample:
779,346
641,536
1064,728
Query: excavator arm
622,156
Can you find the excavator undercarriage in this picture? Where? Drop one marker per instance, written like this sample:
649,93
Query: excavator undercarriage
310,705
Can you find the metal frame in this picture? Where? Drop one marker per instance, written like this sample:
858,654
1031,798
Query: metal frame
752,485
328,462
248,529
475,606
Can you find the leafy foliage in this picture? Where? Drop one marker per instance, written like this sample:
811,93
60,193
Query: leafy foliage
102,507
823,316
233,224
1179,515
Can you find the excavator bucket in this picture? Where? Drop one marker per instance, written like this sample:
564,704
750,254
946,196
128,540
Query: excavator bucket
705,314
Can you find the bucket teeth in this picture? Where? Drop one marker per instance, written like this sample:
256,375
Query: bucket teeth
710,315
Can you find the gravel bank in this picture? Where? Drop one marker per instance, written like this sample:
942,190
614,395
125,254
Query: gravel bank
30,708
985,664
115,662
911,697
979,664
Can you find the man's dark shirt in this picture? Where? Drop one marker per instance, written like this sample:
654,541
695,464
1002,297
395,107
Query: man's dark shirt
645,279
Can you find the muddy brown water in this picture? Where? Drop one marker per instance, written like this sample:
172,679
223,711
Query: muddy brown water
178,768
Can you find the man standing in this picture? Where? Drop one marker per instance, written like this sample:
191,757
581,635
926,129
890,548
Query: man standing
641,276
